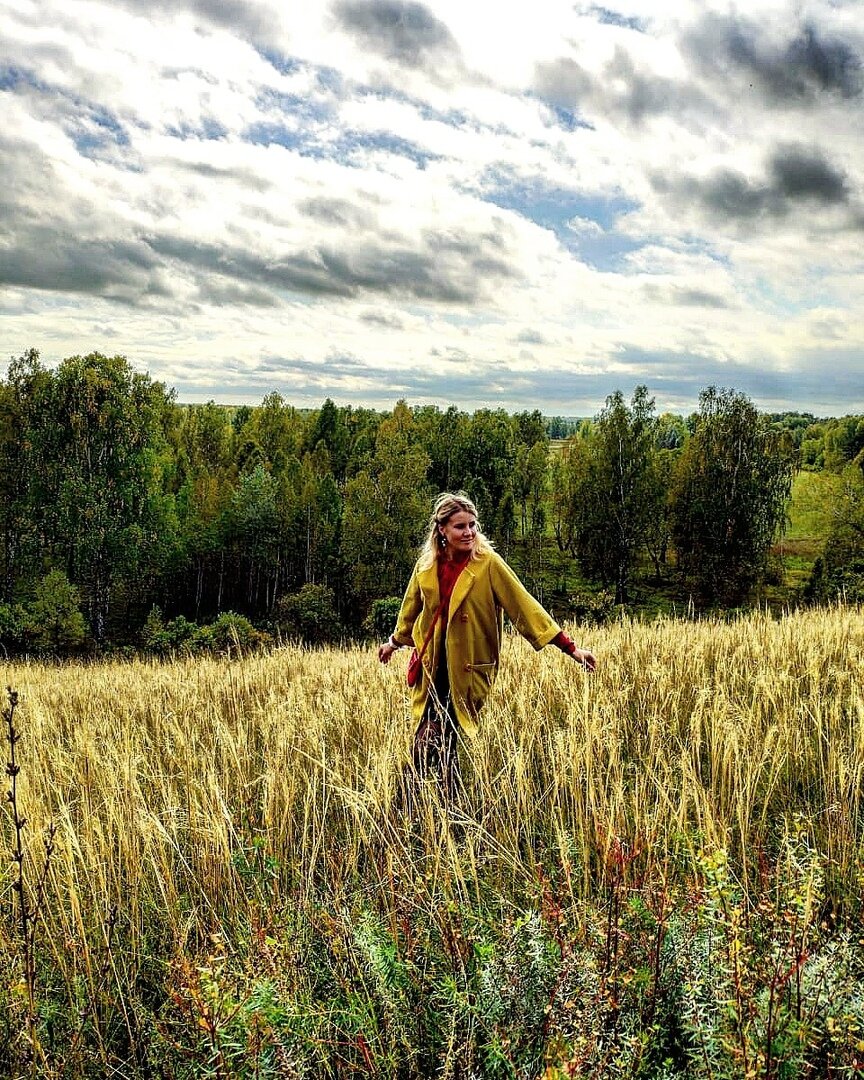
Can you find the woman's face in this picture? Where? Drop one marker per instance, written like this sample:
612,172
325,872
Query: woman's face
460,531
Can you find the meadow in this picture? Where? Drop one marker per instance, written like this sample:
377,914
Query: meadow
810,508
654,871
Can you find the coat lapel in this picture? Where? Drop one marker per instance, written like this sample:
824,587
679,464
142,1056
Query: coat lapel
428,581
461,589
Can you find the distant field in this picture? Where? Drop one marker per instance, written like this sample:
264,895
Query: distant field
813,496
653,872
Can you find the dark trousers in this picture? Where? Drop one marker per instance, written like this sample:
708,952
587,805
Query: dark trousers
436,750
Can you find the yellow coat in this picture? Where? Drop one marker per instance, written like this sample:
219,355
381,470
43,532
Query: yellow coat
484,590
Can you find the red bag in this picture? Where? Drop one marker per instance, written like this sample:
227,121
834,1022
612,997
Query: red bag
414,666
415,660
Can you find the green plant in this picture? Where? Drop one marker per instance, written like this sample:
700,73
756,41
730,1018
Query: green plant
310,615
228,633
30,894
54,622
381,620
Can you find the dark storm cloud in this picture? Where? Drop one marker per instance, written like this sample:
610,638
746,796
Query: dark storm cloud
246,178
54,243
530,337
797,173
400,30
46,260
424,272
797,179
234,294
797,70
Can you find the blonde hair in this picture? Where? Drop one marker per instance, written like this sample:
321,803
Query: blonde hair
446,505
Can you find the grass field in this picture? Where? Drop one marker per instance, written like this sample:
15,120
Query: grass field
655,871
809,522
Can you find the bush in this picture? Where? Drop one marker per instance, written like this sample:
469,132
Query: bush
54,622
230,632
13,621
161,637
593,608
382,617
310,615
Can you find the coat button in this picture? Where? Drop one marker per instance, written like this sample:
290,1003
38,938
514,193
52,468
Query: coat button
467,667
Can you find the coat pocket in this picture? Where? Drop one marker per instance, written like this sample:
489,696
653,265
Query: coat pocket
482,675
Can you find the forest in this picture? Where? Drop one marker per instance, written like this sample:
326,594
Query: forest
129,520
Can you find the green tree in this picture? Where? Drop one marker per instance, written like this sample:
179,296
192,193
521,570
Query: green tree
729,497
94,437
615,490
482,465
254,531
385,509
19,543
278,430
330,431
530,428
54,621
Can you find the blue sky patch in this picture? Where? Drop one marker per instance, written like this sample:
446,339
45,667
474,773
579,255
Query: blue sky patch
285,65
556,208
347,147
615,18
209,130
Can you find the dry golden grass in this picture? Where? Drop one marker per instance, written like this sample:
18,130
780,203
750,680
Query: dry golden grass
177,787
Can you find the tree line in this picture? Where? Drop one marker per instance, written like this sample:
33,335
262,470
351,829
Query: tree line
127,518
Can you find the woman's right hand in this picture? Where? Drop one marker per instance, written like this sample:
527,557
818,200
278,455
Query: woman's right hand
385,651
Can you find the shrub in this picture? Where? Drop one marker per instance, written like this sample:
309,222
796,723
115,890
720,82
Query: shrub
162,637
229,632
310,615
54,622
13,621
593,608
382,616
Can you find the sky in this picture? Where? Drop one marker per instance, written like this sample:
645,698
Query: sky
487,204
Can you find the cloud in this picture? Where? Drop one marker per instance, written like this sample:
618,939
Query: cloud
620,88
440,269
681,296
791,69
255,20
589,197
384,319
116,269
797,179
400,30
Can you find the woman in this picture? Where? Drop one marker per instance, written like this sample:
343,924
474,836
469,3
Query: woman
453,613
